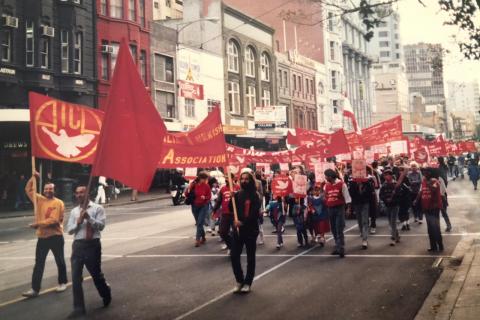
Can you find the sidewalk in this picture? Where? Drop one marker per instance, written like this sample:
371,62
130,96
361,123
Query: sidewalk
122,200
456,295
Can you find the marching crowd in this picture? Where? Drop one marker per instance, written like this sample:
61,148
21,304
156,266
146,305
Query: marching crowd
395,187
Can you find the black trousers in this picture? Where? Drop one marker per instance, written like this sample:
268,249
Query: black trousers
44,245
433,226
247,238
226,223
88,254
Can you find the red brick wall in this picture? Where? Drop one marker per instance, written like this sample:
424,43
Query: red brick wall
309,38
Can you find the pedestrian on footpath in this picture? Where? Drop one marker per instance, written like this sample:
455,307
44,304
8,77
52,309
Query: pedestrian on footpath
245,231
389,196
85,225
49,229
226,215
361,192
198,196
474,172
431,201
336,199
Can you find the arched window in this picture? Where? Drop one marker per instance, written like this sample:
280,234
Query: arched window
232,54
250,62
265,67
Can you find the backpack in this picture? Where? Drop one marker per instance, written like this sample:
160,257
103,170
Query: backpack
191,196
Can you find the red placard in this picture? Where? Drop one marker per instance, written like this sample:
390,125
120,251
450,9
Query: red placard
359,169
300,182
281,186
190,90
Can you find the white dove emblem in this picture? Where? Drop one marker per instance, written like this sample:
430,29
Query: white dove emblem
282,185
68,146
240,159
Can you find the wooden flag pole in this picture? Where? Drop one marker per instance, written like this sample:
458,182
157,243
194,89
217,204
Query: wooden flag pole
34,186
230,184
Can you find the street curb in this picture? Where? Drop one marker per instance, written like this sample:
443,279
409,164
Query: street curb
108,205
441,300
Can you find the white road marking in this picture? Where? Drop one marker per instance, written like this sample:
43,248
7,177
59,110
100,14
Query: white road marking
200,307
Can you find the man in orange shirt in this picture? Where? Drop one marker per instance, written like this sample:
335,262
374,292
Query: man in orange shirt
49,229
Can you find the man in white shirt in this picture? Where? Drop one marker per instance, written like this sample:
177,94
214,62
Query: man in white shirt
85,225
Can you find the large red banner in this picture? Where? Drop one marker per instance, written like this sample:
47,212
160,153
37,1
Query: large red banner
355,141
63,131
203,146
383,132
437,148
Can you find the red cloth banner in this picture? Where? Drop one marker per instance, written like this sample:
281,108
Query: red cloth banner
452,148
437,148
201,147
355,141
63,131
190,90
128,149
383,132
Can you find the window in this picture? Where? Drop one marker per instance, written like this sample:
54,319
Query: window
334,80
105,73
234,97
103,7
265,97
280,79
29,44
155,5
189,108
132,10
265,66
294,83
397,55
232,56
384,44
165,103
141,12
168,3
321,110
396,36
332,50
77,54
285,79
143,66
251,99
382,24
133,51
330,21
116,9
384,54
113,56
312,87
250,62
6,46
299,82
383,34
64,50
163,68
397,46
44,52
307,86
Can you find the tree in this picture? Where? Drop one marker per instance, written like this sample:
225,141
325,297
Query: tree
464,14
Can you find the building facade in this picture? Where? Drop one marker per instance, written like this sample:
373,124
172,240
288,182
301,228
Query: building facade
167,9
117,20
425,75
386,44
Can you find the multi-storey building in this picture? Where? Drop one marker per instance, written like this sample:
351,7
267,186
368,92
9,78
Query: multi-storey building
167,9
425,74
47,46
357,67
386,44
117,20
463,102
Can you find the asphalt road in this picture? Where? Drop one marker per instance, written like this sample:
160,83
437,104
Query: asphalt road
156,273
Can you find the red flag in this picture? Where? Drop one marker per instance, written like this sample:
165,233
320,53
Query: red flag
132,135
355,141
291,139
203,146
437,148
63,131
383,132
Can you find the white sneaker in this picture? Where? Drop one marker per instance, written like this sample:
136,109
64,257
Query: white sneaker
364,244
213,233
224,247
61,287
261,242
245,289
30,293
228,252
279,246
238,288
209,230
373,230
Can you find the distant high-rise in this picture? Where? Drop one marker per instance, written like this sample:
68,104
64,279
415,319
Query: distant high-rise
167,9
386,43
424,63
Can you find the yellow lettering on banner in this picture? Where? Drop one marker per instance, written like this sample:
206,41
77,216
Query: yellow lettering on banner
169,157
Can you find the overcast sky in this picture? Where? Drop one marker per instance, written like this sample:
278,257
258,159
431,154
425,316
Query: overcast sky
424,24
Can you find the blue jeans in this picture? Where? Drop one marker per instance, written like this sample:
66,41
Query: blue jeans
199,213
392,213
337,223
362,211
301,231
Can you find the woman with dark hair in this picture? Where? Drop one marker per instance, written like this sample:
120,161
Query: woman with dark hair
245,231
200,204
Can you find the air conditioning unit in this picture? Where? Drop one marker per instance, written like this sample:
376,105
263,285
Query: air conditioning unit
107,49
48,31
9,21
